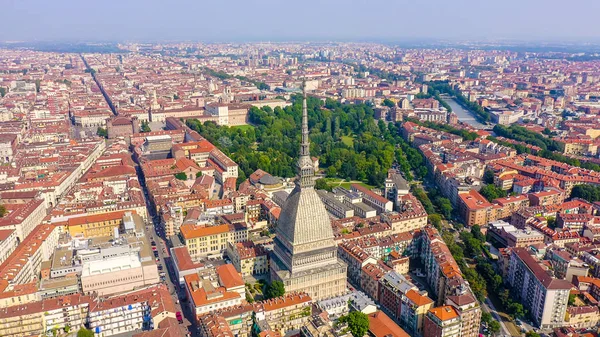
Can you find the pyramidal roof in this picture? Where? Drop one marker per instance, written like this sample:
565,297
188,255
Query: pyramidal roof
304,218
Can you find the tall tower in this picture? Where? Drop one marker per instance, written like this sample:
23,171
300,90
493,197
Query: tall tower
305,255
306,171
155,106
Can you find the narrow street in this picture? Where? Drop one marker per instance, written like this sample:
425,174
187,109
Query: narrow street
155,233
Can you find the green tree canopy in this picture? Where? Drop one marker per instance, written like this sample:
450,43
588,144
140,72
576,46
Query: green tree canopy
102,132
587,192
494,327
83,332
274,289
145,127
491,192
272,144
358,323
435,220
181,176
389,103
321,184
488,177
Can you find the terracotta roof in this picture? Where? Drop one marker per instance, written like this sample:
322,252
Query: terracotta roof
417,298
444,313
183,259
546,279
287,300
192,231
380,325
80,220
229,277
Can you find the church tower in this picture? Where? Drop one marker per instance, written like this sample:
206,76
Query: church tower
305,254
154,106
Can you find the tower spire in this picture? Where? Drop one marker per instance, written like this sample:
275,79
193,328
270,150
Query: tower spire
305,145
306,169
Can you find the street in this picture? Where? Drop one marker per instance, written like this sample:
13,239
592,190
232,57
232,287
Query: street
488,306
155,233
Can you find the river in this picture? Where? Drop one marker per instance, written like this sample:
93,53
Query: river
463,114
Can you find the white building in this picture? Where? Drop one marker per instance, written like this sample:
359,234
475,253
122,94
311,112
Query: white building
542,295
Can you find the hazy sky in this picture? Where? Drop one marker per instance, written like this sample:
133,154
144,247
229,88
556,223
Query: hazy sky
235,20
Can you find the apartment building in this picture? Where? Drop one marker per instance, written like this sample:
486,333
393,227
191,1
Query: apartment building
415,306
542,295
23,217
370,277
410,216
208,241
356,258
476,210
183,264
547,197
247,258
393,287
96,225
510,236
442,321
213,325
8,243
123,314
283,314
49,316
214,289
395,187
24,264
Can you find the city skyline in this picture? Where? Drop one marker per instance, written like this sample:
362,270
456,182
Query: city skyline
272,21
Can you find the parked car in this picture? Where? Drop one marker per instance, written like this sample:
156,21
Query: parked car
179,317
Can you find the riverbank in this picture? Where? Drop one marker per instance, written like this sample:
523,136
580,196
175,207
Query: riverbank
463,114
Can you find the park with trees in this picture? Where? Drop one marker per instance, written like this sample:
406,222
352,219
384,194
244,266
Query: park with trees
348,141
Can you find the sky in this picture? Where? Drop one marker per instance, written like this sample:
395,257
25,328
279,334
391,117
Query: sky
306,20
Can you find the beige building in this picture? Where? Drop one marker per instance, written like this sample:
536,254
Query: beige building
414,309
206,241
44,317
582,317
442,321
8,243
286,313
248,258
213,289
